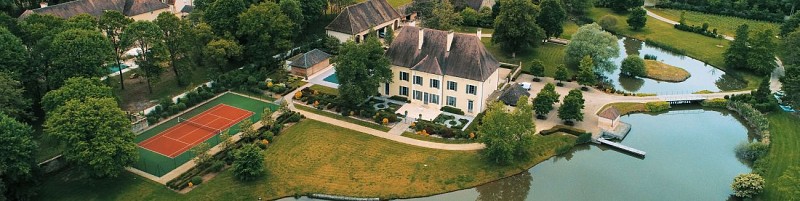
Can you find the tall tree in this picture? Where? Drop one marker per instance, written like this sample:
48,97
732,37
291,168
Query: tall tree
790,49
177,35
82,21
76,88
761,58
637,19
515,26
221,53
443,17
361,68
790,25
543,103
223,16
267,30
552,18
537,69
13,103
791,84
292,9
313,9
13,55
593,41
98,134
112,23
624,5
147,37
79,53
508,135
389,36
201,36
17,159
38,33
572,109
736,54
586,74
248,162
633,66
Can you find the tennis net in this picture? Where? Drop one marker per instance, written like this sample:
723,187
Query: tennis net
215,130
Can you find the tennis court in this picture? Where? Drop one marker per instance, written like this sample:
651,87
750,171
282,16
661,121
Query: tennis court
159,161
190,132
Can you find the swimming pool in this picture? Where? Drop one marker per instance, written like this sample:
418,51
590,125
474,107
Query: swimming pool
114,69
332,79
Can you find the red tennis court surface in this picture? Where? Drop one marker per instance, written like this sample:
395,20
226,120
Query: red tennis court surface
185,135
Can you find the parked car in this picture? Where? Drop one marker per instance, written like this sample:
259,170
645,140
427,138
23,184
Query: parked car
526,85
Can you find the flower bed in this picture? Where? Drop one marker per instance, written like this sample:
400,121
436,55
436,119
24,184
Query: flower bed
366,111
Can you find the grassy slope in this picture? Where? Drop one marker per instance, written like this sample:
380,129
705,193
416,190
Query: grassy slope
785,143
706,49
626,108
314,157
724,24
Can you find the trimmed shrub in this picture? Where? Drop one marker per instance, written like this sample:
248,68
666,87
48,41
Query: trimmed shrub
452,110
657,106
217,166
399,98
584,138
747,185
197,180
751,151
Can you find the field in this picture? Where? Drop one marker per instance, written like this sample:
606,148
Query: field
706,49
725,25
157,164
783,153
660,71
550,54
314,157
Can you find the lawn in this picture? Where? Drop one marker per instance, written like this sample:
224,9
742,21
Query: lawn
136,97
785,143
626,108
436,139
343,118
325,90
703,48
550,54
724,24
473,30
314,157
569,28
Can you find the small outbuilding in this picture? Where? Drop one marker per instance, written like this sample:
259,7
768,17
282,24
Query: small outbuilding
309,63
512,94
609,118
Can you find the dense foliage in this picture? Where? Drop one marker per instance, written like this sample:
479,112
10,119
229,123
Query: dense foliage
768,10
17,162
248,163
572,108
361,68
633,66
747,185
593,41
637,19
508,135
515,27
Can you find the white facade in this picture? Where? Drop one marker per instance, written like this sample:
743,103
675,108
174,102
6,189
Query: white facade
344,37
470,96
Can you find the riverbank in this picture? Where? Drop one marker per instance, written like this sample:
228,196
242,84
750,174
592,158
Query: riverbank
314,157
664,72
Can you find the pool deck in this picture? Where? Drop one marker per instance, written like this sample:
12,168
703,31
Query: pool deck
319,78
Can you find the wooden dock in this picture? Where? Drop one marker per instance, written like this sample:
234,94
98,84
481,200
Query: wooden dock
621,147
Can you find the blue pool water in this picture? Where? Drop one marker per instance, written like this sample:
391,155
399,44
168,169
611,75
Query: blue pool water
332,79
114,68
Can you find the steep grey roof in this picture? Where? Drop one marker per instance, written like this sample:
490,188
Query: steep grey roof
467,58
187,9
309,58
512,94
478,4
610,113
97,7
363,16
428,65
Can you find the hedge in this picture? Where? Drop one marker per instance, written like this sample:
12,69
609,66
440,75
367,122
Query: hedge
754,118
659,106
400,98
438,129
565,129
715,103
452,110
167,107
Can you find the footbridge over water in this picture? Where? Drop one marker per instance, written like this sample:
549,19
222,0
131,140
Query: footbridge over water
682,98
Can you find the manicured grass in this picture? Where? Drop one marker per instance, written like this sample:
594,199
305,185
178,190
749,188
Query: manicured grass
438,140
724,24
706,49
343,118
325,90
626,108
784,151
660,71
550,54
314,157
569,28
473,30
158,165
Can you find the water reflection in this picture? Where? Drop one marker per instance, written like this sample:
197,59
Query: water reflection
514,188
629,83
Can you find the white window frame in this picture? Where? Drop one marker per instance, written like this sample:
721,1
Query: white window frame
418,80
474,90
452,86
454,101
404,78
402,90
434,98
417,95
434,83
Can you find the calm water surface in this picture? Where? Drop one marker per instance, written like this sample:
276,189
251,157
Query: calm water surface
689,157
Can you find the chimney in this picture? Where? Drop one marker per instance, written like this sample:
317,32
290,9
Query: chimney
479,33
421,38
43,4
449,40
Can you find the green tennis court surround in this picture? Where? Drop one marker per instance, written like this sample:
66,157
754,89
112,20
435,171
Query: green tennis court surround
158,165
